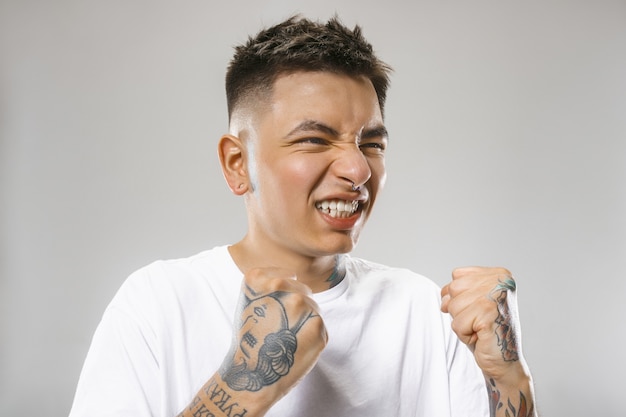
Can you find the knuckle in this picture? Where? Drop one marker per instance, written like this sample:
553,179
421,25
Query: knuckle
300,302
266,280
457,272
455,288
258,276
253,274
457,327
498,270
462,271
274,284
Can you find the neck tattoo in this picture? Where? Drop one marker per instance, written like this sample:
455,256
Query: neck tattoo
339,272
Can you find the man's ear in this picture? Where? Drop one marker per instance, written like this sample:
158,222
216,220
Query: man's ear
232,154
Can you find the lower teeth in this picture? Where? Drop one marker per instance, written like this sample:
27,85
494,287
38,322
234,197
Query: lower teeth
335,213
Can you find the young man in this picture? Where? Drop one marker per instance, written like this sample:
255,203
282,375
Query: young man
315,331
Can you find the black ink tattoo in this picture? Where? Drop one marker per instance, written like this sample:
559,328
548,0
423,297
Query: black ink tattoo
505,330
250,339
252,367
218,397
275,358
496,405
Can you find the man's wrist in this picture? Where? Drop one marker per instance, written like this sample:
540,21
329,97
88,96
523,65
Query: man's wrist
516,375
512,394
217,399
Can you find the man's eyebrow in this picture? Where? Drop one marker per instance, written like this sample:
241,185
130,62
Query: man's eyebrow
376,132
313,126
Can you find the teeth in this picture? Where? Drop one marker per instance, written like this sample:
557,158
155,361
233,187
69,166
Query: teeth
338,208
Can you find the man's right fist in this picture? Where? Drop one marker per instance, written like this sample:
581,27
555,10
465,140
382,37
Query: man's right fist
278,334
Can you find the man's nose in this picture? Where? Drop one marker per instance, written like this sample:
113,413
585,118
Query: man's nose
351,165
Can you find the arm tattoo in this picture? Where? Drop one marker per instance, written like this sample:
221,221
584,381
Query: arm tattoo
218,397
495,405
504,330
267,347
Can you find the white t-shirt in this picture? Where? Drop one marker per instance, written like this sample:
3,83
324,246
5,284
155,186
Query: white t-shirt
391,352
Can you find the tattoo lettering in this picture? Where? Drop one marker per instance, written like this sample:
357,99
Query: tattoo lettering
267,346
496,405
219,398
202,412
505,330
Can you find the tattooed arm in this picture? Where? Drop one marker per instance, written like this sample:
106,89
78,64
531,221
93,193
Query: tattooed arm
279,335
483,306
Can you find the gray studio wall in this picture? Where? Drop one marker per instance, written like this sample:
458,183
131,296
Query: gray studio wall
508,147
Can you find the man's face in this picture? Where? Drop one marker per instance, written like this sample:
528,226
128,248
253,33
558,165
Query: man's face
321,133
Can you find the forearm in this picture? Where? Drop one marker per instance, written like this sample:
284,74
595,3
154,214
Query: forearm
511,398
268,357
217,399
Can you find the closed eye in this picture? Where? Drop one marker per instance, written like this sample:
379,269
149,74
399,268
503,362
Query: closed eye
313,140
312,143
373,145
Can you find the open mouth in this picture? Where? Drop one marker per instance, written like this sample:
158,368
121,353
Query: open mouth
338,208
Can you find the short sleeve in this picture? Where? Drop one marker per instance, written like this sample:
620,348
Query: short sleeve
120,374
468,392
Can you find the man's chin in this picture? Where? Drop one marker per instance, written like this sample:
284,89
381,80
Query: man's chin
345,245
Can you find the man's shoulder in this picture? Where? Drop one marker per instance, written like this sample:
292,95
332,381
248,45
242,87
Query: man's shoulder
206,270
204,262
382,274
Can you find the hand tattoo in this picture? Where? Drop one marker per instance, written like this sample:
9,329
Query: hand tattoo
252,366
505,330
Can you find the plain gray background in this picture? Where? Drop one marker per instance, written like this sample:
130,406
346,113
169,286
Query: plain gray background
508,147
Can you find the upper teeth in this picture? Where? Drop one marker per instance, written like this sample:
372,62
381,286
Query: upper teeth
338,208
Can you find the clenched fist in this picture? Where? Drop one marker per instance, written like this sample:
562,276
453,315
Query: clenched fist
483,306
482,303
278,337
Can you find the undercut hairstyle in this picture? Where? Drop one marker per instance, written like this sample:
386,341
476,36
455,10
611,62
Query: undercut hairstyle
299,44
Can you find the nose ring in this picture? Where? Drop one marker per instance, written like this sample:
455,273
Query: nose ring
355,187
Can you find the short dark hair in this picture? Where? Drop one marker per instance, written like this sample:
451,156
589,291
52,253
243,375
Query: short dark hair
299,44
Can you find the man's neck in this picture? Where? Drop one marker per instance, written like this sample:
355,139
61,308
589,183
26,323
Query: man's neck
318,273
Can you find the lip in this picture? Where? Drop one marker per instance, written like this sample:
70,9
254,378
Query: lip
341,223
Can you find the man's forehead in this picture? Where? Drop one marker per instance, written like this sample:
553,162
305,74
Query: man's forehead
305,97
289,79
324,96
